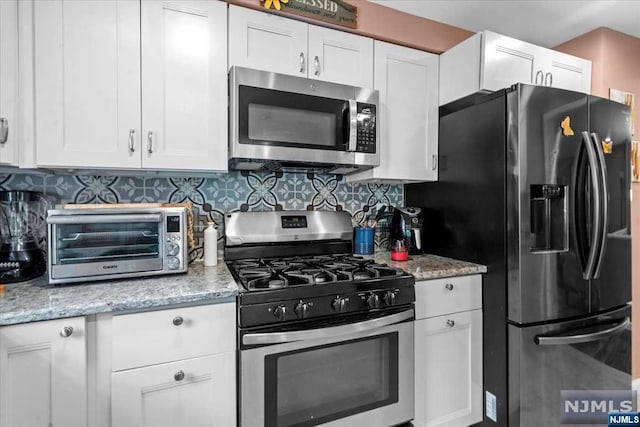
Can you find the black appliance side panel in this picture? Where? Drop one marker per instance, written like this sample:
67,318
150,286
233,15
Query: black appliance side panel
612,123
465,218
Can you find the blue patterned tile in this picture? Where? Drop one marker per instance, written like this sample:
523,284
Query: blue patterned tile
219,193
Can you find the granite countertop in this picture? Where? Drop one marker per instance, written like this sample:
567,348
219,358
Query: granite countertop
37,300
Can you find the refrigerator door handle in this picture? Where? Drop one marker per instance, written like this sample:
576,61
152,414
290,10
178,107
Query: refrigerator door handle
597,208
581,338
604,200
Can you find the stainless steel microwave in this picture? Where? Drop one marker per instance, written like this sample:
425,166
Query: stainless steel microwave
281,122
111,243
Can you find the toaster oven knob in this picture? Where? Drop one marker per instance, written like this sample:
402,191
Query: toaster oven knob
339,304
173,249
173,263
280,312
390,298
302,309
373,300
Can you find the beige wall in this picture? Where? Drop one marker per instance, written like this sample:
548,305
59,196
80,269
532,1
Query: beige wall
616,64
383,23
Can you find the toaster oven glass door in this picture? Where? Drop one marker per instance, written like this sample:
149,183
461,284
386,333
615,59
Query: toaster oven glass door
104,244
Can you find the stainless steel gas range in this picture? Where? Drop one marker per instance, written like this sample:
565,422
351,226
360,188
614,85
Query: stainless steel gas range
325,338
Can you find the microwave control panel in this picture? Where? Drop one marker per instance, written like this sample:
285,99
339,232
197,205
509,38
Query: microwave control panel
366,118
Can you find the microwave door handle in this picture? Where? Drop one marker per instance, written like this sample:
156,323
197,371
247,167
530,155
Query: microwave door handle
353,125
94,219
320,333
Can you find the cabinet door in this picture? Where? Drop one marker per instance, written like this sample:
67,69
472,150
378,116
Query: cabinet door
196,393
267,42
407,81
340,57
566,71
43,375
508,61
87,83
8,81
184,85
448,367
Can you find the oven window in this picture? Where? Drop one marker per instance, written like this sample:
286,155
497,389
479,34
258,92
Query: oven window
315,385
278,118
97,242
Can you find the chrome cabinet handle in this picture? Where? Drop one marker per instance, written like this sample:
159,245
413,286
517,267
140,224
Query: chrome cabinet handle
66,332
132,140
434,162
550,76
178,320
316,62
4,130
150,142
179,376
451,323
302,62
541,74
449,286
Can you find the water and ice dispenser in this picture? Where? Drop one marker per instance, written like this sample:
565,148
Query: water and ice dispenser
549,218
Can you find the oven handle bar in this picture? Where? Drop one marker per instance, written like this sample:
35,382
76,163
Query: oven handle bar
96,219
314,334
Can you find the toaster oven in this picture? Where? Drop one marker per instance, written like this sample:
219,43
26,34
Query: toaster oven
109,243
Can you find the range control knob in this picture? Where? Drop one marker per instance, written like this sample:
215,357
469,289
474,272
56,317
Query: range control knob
339,304
173,263
280,312
373,300
173,249
390,297
302,309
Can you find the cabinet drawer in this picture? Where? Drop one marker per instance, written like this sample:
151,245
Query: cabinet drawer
450,295
149,338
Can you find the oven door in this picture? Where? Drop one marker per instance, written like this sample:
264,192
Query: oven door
354,374
107,244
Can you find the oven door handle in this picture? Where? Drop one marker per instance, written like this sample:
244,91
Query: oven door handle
314,334
108,218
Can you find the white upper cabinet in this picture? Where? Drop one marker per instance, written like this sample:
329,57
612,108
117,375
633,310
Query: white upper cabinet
268,42
407,81
488,61
87,83
43,374
184,90
8,81
105,101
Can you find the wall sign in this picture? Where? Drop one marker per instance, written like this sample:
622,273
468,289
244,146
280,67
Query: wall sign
332,11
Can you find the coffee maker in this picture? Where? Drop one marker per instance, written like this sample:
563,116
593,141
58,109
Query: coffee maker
22,234
406,223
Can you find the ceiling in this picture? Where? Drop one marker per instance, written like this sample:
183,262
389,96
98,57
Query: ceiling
543,22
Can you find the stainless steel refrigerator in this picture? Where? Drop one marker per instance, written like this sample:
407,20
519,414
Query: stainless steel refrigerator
534,182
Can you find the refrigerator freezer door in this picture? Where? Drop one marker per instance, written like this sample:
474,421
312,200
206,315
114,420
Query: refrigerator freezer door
589,354
610,126
545,271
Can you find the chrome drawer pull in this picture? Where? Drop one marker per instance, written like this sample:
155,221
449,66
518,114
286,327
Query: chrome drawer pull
66,332
451,323
449,286
178,320
179,376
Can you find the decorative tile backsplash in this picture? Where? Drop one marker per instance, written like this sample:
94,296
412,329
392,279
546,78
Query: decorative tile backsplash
216,194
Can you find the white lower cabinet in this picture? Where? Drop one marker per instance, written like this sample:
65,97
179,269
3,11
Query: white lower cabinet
448,352
196,392
174,367
43,374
